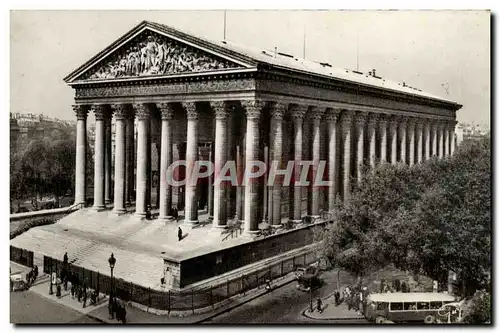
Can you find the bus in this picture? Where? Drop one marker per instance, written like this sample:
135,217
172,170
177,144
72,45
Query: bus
407,307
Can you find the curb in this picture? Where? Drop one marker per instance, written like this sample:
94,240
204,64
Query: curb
229,308
332,319
197,321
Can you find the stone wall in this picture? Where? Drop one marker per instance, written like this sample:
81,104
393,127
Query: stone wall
219,262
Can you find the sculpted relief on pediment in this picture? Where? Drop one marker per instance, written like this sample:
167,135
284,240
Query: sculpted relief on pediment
151,54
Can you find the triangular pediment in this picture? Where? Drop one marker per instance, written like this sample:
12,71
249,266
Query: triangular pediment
150,52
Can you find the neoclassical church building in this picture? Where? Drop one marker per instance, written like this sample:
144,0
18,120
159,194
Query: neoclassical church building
193,99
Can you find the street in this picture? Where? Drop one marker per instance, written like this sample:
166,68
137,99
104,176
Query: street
281,306
27,307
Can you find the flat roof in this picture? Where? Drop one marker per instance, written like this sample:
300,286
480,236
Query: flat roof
411,297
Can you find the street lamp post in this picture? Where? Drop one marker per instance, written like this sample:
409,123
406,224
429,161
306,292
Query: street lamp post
111,262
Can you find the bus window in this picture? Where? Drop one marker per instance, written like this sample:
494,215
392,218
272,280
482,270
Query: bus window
436,305
422,306
396,306
381,306
409,306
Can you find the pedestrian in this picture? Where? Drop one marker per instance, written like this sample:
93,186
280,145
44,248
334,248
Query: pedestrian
35,270
65,258
179,233
124,314
65,279
72,289
337,297
58,288
84,294
79,292
319,305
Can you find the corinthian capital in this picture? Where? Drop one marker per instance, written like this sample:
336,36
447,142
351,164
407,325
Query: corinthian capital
315,113
253,108
101,111
221,109
191,111
166,110
278,110
297,111
142,111
81,111
332,114
360,119
120,111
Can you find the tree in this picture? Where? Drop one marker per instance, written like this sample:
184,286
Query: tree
432,217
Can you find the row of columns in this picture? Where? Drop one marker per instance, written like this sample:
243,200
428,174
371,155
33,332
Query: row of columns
430,137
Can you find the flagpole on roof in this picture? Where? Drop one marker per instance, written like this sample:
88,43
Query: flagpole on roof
304,44
224,24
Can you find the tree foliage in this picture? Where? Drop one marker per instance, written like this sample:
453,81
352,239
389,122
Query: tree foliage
43,167
429,218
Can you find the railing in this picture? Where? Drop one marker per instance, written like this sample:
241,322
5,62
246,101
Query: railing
21,256
189,300
233,233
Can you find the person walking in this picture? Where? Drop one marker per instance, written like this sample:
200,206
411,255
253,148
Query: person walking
84,294
337,297
179,233
319,305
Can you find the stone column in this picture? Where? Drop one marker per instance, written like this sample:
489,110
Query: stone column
360,120
427,137
393,130
411,137
210,203
434,129
446,139
453,142
267,202
419,133
220,188
333,168
297,114
120,157
403,123
441,139
101,113
372,136
165,199
130,162
143,115
315,115
191,210
81,153
276,148
239,189
346,131
253,110
149,174
107,160
383,138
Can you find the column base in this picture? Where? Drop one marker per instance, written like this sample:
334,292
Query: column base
252,234
191,223
119,211
140,216
296,221
277,226
165,219
218,229
98,208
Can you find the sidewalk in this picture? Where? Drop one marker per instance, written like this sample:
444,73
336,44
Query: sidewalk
134,315
332,312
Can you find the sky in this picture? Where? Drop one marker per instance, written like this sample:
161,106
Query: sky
445,53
